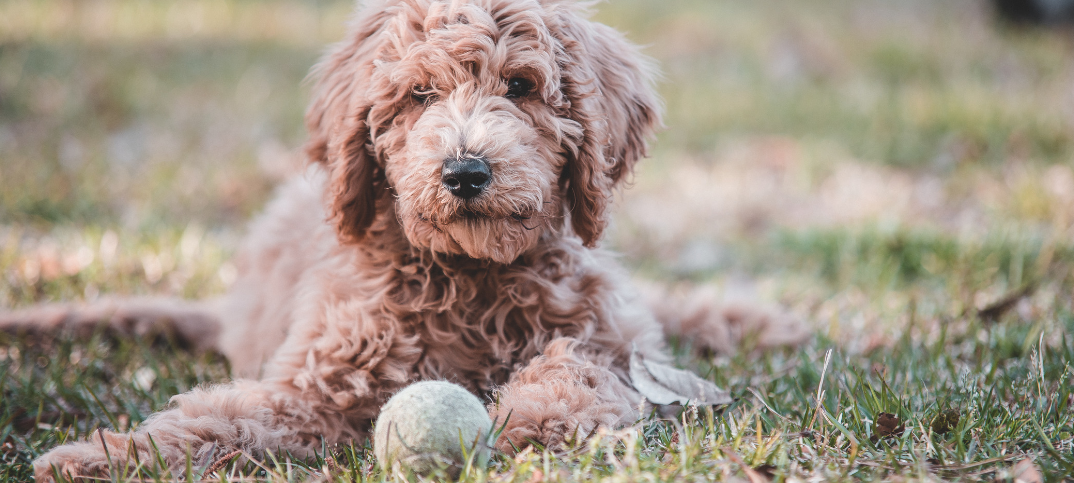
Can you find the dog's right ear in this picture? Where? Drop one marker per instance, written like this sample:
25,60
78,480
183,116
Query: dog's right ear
610,87
338,125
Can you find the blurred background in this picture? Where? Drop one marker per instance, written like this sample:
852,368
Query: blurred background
821,152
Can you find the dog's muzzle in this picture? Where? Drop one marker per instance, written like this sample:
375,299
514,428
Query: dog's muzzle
465,176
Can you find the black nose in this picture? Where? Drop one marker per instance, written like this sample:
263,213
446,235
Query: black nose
466,176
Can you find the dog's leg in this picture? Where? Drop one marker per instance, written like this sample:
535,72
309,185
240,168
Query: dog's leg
191,324
326,383
561,395
204,424
701,316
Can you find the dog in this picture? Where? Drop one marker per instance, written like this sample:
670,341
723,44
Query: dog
462,157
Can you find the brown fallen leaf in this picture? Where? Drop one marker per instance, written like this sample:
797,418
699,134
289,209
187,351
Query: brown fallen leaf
887,425
10,446
1026,472
663,384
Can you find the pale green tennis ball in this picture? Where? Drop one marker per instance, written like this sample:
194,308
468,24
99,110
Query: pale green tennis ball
420,427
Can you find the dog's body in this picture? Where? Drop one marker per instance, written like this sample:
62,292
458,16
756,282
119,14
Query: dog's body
332,331
462,156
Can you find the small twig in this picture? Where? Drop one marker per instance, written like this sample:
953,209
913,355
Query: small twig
221,463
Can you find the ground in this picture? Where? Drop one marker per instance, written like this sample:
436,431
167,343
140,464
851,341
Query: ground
898,174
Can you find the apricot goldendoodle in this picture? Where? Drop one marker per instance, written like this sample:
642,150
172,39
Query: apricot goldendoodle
462,157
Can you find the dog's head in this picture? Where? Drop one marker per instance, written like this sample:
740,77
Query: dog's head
487,123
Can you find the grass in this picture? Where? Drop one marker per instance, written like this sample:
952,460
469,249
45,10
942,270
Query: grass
899,174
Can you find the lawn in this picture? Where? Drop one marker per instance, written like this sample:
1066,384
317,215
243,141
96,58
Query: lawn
900,175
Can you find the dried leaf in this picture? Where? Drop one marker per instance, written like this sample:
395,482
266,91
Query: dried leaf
662,384
887,425
1026,472
10,446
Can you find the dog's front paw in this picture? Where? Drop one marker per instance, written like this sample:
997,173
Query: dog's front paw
104,453
553,415
82,461
550,433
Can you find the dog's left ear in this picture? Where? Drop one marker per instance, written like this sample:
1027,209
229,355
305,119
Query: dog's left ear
610,86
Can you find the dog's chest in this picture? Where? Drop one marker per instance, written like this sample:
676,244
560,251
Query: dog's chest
478,324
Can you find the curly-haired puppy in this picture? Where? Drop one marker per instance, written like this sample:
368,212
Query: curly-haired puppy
462,157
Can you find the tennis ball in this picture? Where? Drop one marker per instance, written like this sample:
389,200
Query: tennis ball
427,425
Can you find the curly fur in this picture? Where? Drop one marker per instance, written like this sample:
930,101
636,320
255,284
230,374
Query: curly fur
366,274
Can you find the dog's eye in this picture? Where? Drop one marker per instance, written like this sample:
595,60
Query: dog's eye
518,87
422,94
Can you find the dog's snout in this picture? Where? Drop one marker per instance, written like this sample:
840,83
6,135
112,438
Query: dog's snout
465,176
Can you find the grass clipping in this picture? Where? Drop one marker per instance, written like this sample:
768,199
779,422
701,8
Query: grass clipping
432,425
